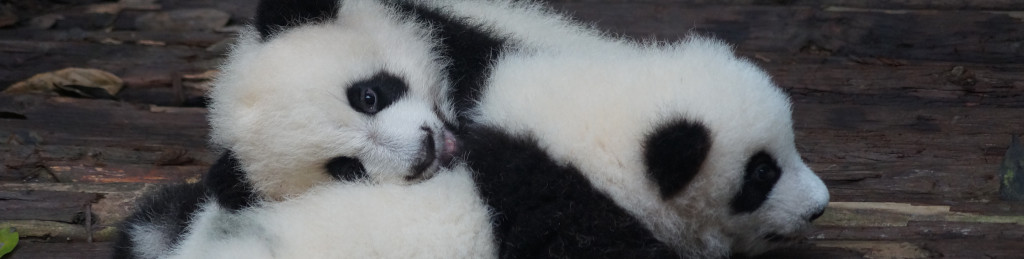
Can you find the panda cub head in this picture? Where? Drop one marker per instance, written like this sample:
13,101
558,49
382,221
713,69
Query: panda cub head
696,143
320,91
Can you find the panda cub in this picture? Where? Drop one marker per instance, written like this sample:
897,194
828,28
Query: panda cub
334,122
586,145
684,143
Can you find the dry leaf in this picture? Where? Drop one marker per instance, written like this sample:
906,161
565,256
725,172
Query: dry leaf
44,22
68,78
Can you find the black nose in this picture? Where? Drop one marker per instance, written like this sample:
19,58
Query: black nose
817,214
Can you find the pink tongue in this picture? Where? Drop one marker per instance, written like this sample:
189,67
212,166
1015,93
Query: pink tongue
448,150
450,144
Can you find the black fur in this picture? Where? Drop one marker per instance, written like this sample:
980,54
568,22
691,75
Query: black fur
376,93
546,210
760,177
470,50
274,16
170,207
346,168
226,181
674,154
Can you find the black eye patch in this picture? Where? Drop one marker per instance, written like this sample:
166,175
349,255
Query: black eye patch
760,176
345,168
376,93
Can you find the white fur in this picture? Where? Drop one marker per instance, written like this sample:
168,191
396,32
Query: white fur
594,109
281,106
439,218
150,240
590,99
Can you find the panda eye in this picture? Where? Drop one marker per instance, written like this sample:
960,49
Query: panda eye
375,93
369,100
759,178
765,172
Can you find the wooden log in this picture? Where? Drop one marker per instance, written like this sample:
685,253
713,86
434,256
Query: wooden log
45,205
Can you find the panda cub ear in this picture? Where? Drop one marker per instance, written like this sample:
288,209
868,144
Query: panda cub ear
674,153
226,181
273,16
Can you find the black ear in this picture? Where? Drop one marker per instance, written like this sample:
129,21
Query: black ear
226,181
674,153
346,168
278,15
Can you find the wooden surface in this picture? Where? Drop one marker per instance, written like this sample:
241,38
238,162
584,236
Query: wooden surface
904,107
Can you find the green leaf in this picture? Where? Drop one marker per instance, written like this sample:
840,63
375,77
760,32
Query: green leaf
8,239
1011,187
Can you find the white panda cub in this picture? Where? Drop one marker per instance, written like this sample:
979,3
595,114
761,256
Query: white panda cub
320,106
473,33
694,143
587,145
349,94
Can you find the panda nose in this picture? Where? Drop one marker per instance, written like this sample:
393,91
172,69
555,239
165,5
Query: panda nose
817,214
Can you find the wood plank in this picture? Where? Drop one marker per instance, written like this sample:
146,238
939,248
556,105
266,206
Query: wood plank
199,39
44,250
68,121
909,118
26,155
877,4
857,80
66,207
47,230
893,153
78,173
58,163
115,203
149,72
930,248
966,36
924,230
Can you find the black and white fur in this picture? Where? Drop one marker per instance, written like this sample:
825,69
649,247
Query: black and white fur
356,89
589,145
693,142
582,145
334,123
